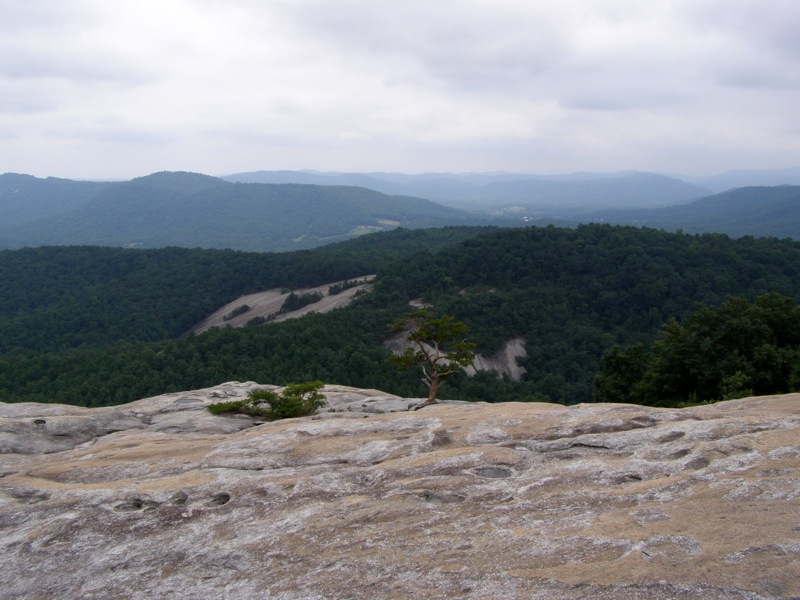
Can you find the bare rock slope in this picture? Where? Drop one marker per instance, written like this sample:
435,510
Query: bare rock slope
161,499
267,305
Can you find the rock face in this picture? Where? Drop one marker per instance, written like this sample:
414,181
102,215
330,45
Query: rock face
161,499
268,304
503,362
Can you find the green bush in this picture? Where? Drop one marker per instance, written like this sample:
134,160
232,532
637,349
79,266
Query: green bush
297,301
221,407
295,400
239,310
734,350
338,288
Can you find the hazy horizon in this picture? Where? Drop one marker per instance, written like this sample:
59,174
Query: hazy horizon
792,171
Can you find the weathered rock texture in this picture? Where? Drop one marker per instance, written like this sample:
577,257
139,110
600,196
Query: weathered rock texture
504,361
160,499
269,303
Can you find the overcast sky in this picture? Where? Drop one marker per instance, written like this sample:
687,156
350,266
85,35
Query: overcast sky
111,89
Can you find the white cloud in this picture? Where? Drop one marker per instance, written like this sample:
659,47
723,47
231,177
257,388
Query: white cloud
220,86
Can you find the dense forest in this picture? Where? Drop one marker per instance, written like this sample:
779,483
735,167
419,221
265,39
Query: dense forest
100,326
733,350
56,298
761,211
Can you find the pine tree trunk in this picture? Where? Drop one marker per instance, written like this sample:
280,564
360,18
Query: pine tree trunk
433,389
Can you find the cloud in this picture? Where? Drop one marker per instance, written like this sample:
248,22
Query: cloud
413,85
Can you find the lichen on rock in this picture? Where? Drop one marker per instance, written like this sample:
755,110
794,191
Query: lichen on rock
159,498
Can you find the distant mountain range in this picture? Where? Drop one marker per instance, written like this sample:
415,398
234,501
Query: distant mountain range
193,210
757,211
555,194
288,210
747,178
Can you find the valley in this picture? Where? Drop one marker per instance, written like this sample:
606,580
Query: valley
100,326
286,211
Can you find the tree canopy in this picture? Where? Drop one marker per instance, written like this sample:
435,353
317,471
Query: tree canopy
736,349
102,326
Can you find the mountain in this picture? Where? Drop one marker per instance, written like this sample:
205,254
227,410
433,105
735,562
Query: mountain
24,198
193,210
92,326
755,211
635,190
476,191
161,499
57,297
287,210
747,178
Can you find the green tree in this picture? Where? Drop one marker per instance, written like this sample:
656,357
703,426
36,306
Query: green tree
295,400
720,352
620,379
436,344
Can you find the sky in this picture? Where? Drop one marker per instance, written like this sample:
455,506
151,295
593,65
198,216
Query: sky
99,89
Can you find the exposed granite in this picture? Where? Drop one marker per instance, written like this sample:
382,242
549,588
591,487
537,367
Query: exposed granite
160,499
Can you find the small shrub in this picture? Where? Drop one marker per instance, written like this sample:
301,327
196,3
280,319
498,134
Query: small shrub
735,386
338,288
295,400
297,301
221,407
239,310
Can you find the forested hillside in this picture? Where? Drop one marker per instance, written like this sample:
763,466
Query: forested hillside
57,298
24,198
572,294
758,211
771,208
193,210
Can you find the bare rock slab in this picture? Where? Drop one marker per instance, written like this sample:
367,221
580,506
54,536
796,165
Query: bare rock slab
160,499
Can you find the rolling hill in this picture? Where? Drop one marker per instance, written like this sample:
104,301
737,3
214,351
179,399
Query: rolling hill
24,198
479,191
92,325
747,178
193,210
756,211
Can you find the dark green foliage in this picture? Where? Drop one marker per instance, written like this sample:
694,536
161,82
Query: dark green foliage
229,406
572,294
621,377
342,346
757,211
56,298
294,400
720,352
436,343
344,285
297,301
99,326
239,310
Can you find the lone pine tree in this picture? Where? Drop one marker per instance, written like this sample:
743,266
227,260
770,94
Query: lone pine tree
436,344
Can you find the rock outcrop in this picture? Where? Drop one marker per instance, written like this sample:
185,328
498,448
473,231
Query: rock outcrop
160,499
503,361
267,305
